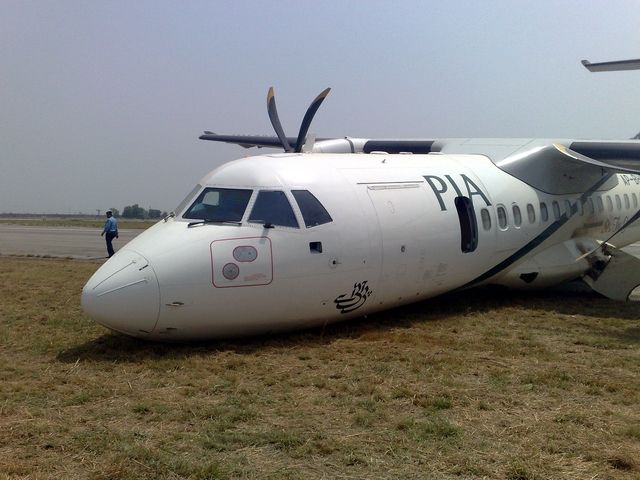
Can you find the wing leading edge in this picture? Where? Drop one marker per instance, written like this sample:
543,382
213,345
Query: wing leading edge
632,64
247,141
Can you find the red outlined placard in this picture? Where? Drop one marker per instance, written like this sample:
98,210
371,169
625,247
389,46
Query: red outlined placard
253,273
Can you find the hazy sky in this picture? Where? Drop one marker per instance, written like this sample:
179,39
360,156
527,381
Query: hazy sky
102,101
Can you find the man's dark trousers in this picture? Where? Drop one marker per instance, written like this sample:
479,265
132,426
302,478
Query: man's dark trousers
110,236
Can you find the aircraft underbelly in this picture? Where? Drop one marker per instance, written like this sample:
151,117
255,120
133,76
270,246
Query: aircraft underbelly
558,263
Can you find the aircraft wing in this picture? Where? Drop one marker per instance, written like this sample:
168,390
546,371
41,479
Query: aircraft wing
622,154
556,166
248,141
328,145
633,64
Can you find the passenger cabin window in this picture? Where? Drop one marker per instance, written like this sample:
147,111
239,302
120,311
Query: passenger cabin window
618,202
486,219
273,208
531,213
567,208
556,210
517,216
219,205
544,213
626,201
590,207
468,225
313,213
502,217
609,203
635,200
600,204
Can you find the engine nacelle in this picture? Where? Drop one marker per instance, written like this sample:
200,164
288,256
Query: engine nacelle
340,145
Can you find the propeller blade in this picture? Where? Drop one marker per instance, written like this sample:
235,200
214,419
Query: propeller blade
275,121
606,242
308,117
629,222
601,245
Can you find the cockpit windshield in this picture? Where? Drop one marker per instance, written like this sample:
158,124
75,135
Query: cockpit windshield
219,205
272,207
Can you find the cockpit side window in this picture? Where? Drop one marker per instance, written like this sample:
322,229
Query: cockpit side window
219,205
312,210
183,204
272,207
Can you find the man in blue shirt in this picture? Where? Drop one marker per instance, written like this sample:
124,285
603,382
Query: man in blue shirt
111,229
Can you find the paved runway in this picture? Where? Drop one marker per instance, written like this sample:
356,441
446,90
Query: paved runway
58,241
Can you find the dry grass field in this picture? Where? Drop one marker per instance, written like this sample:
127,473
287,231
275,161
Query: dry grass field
480,384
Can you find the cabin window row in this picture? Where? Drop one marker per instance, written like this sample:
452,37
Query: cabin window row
590,207
271,207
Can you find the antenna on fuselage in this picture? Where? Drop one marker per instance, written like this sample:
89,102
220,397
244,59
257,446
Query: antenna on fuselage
304,126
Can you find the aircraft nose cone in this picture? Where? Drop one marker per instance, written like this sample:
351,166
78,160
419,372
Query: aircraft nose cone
123,295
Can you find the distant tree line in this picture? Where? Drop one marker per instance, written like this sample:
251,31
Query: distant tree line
136,211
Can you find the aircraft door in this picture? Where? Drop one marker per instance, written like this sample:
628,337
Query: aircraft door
414,249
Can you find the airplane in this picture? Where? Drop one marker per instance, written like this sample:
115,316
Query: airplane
337,228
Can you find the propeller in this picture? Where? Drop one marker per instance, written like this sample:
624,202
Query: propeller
606,242
275,120
304,126
626,224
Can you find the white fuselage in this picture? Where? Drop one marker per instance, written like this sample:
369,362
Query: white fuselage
395,237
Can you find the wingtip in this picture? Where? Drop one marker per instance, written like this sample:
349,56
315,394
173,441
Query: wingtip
588,65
